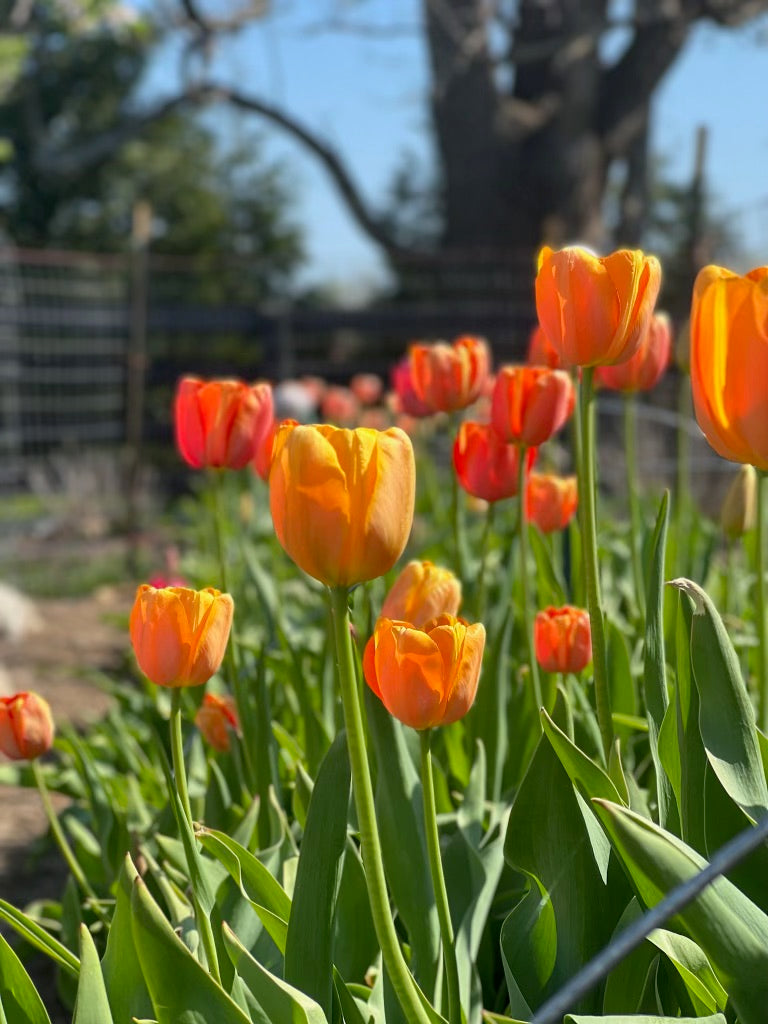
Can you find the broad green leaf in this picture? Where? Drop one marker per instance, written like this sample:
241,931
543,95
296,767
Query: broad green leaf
352,1011
91,1004
550,587
355,946
496,1018
693,758
726,715
729,928
20,1002
631,1018
589,778
693,967
128,995
620,680
308,946
488,717
528,946
38,937
279,1000
181,989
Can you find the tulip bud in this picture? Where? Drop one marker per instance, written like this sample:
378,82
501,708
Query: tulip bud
487,467
562,639
739,510
221,423
531,403
550,501
422,591
26,726
450,377
215,717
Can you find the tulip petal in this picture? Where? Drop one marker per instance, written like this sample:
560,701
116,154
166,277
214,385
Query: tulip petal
409,670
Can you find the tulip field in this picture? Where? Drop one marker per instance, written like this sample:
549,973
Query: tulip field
427,729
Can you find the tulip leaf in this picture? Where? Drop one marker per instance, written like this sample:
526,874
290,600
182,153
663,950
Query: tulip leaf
693,758
38,937
308,946
633,1018
128,995
91,1003
588,777
726,715
550,587
729,928
488,717
621,682
20,1002
355,946
279,1000
181,989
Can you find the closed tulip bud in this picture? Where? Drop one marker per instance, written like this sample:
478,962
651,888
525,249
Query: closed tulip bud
422,591
739,511
342,500
595,311
531,403
216,718
541,351
551,501
645,369
562,639
180,635
26,726
450,377
425,677
729,362
220,423
486,466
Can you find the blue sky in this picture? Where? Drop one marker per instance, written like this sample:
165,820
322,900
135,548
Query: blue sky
368,97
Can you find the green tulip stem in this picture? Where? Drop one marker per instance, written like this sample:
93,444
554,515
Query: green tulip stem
587,502
63,844
522,530
762,635
402,981
484,543
180,780
635,524
438,879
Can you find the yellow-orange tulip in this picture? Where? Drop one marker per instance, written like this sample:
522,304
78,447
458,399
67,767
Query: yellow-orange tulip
179,635
729,362
425,677
450,377
342,500
422,591
595,311
26,726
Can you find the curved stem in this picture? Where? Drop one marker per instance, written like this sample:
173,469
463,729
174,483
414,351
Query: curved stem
762,482
402,981
438,880
588,522
635,539
522,524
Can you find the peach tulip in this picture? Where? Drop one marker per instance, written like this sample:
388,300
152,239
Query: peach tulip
26,726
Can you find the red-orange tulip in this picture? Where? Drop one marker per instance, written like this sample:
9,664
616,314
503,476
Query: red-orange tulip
408,402
26,726
179,635
342,500
562,639
486,466
450,377
425,677
596,310
729,362
216,718
367,388
422,591
220,423
531,403
644,370
550,501
541,351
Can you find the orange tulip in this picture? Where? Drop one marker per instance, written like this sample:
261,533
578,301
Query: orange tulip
425,677
422,591
450,377
729,362
562,639
26,726
541,351
408,402
342,500
644,370
220,423
179,635
486,466
531,403
215,718
550,501
595,311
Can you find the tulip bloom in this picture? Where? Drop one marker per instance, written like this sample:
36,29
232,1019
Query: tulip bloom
541,351
550,501
26,726
562,639
220,423
425,677
531,403
342,500
215,718
729,362
367,388
422,591
486,466
339,405
179,635
595,311
644,370
450,377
